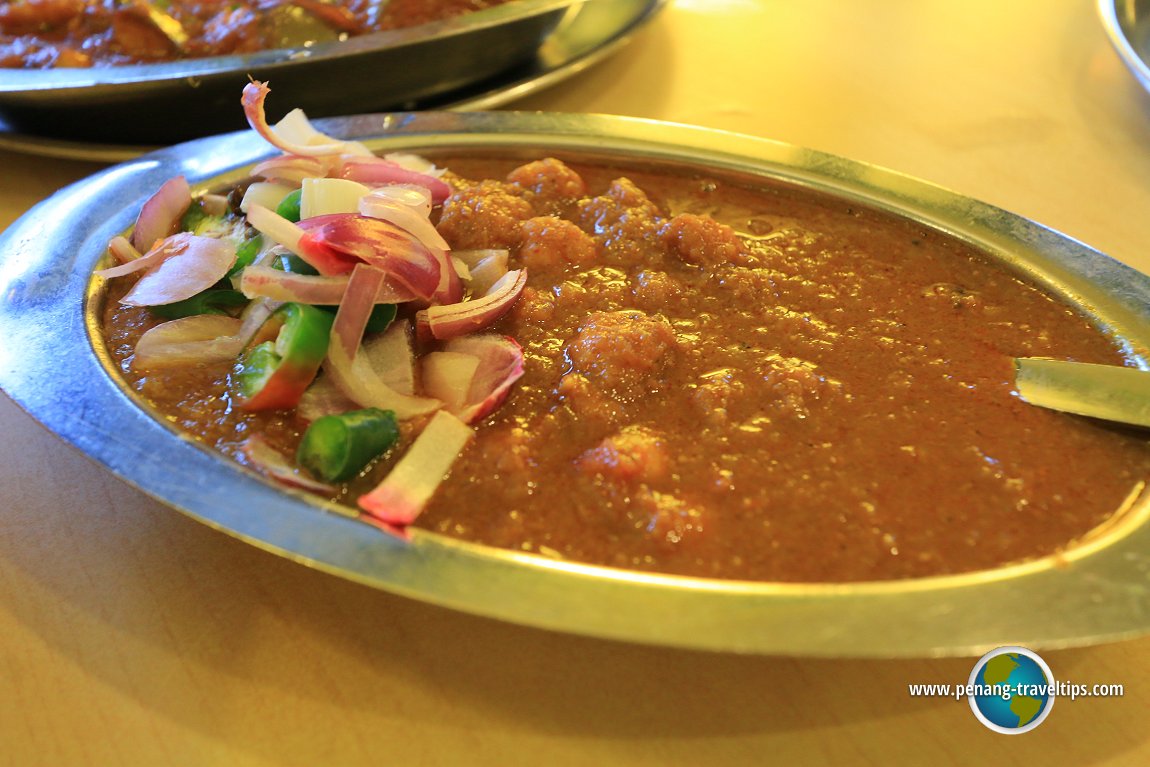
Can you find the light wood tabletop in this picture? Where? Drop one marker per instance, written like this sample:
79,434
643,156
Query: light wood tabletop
133,635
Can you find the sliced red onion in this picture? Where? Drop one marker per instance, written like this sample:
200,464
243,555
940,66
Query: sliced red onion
293,134
352,372
487,272
267,282
382,203
214,204
322,398
276,284
402,496
414,196
473,374
500,366
266,459
454,320
367,389
415,162
122,251
275,227
381,244
461,269
386,204
447,376
160,215
194,265
189,340
377,170
355,308
254,316
296,129
392,357
266,194
449,290
291,168
474,257
325,196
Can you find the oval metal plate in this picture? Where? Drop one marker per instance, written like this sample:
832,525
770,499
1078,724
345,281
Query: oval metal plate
1127,24
1095,592
162,103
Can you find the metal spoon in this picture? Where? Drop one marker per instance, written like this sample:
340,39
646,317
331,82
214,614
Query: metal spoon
1110,392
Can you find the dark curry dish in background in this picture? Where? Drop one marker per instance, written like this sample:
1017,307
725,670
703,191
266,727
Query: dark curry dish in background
84,33
729,381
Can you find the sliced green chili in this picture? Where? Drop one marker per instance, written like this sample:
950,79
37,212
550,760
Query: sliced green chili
211,301
290,262
381,317
285,356
246,252
193,217
289,205
337,447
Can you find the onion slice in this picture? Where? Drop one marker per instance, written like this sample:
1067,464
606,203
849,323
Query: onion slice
352,372
455,320
390,204
474,257
383,203
160,215
326,196
149,260
447,376
500,365
268,194
378,170
267,282
193,265
402,496
122,250
378,243
266,459
188,341
254,316
389,355
487,272
293,134
322,398
392,357
290,169
292,236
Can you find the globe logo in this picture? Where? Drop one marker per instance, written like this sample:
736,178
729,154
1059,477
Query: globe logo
1012,690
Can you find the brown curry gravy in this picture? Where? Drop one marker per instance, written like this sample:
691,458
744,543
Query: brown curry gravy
826,398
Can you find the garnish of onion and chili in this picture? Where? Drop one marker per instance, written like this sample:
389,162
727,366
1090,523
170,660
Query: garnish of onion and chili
319,286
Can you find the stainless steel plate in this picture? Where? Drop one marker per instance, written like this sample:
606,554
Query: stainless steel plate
175,101
1127,24
589,33
1100,590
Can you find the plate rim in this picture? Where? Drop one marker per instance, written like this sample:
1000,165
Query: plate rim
66,80
546,70
1117,30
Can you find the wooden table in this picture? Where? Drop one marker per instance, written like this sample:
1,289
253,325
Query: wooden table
130,634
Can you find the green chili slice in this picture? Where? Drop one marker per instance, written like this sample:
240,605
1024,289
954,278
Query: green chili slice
287,353
289,206
337,447
211,301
